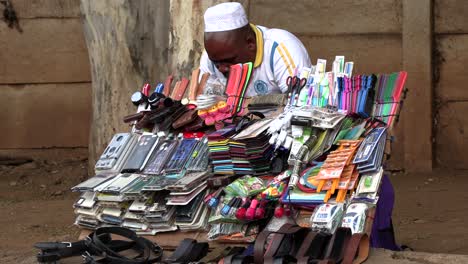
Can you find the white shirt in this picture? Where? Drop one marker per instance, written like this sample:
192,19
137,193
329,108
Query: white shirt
279,53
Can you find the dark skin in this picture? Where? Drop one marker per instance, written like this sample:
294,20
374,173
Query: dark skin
231,47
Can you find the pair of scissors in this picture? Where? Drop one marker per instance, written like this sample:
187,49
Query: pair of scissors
295,84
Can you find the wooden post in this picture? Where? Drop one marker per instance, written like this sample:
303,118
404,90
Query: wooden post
417,61
127,43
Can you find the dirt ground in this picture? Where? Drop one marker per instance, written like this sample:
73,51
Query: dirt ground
36,204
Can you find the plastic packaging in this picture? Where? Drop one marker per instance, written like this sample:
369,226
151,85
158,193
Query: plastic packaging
355,217
245,187
327,217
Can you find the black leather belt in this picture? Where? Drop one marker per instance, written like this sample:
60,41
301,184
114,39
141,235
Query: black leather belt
99,247
189,250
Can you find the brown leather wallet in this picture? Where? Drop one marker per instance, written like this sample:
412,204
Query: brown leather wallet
196,125
220,181
185,119
133,117
143,122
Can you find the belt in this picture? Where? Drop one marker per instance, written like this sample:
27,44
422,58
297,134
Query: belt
219,253
189,250
357,250
337,245
99,247
313,247
236,259
280,246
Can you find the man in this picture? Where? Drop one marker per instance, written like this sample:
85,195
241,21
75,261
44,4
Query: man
230,39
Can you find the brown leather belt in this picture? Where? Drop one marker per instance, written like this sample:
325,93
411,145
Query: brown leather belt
357,250
338,242
268,256
313,247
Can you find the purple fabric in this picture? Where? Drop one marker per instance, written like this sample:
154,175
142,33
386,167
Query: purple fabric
382,235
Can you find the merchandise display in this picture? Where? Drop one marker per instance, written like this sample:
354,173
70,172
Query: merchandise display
275,171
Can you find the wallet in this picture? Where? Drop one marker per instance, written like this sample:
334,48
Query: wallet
196,125
133,117
185,119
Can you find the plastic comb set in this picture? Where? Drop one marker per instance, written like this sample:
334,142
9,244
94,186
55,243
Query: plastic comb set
239,76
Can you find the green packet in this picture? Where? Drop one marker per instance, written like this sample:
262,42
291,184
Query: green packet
245,187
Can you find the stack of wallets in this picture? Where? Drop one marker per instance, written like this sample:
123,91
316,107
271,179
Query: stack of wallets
192,216
111,216
250,149
219,150
91,184
371,151
185,197
189,183
134,217
114,190
158,216
115,155
86,209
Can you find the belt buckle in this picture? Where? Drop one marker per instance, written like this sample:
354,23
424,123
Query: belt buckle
69,244
87,258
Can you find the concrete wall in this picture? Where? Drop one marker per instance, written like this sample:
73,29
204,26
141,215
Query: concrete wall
45,79
451,79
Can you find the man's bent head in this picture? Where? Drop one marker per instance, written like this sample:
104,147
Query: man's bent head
229,39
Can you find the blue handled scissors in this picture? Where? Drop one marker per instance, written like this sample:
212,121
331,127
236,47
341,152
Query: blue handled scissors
295,84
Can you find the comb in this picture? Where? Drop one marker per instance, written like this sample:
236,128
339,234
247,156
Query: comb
247,71
194,85
176,88
235,75
179,93
203,81
167,85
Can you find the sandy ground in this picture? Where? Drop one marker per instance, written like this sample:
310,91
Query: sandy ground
36,204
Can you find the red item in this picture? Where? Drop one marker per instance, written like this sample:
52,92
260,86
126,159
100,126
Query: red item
250,213
146,89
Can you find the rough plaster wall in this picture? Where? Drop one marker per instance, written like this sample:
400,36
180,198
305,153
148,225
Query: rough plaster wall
127,43
451,95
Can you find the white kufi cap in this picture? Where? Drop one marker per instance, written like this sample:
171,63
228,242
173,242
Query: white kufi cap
225,17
